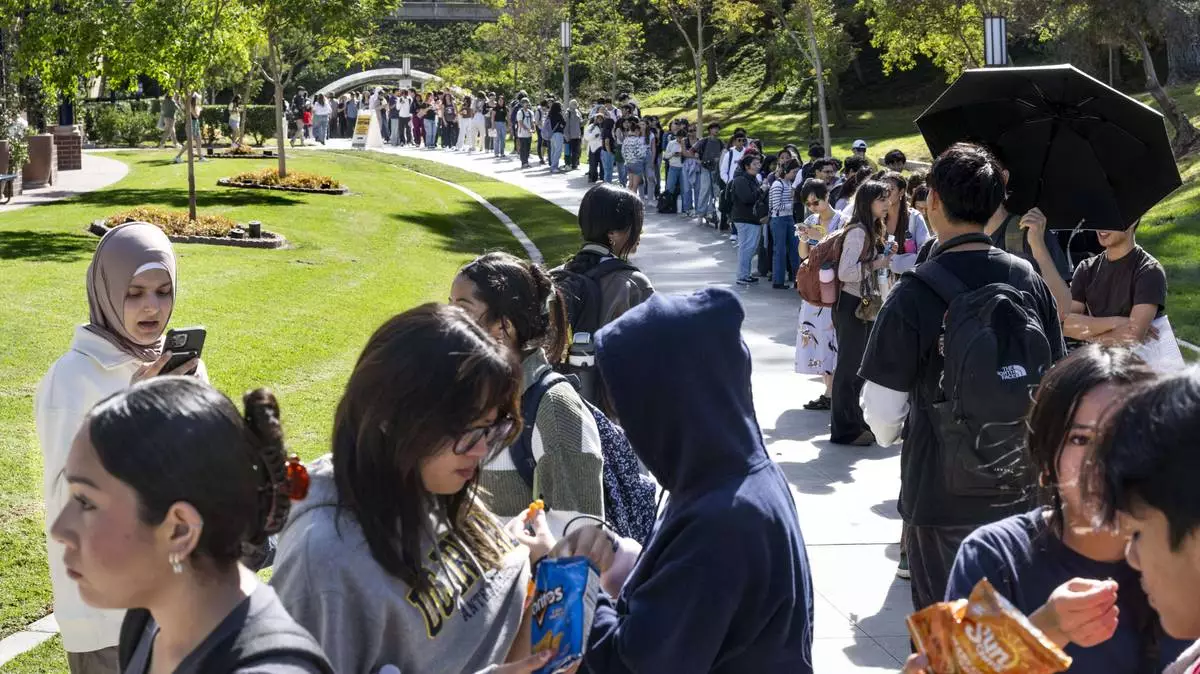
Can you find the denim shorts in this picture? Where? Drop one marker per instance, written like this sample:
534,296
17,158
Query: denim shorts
635,169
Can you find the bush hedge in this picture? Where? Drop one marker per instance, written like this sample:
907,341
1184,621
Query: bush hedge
270,178
175,223
119,123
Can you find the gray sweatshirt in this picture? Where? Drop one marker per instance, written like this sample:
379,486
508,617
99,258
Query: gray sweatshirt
365,618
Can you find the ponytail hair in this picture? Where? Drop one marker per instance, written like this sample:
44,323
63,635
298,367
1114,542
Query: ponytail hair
177,439
521,296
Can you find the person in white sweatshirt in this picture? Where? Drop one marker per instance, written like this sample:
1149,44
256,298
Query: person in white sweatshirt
131,294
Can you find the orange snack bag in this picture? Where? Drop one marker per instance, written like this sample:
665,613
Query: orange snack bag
984,634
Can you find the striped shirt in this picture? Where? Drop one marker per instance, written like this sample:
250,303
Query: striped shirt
781,198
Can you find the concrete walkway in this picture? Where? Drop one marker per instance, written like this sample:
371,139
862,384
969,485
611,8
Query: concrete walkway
846,496
97,172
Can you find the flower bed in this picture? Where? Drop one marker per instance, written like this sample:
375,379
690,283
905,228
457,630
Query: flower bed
268,179
243,152
209,229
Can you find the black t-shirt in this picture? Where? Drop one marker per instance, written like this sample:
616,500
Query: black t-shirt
1052,245
903,355
1109,288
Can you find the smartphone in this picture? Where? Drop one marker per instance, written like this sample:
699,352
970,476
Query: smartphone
184,345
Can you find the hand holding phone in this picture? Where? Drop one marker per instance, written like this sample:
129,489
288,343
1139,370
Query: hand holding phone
185,346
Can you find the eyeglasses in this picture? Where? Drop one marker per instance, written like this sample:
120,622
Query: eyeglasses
497,436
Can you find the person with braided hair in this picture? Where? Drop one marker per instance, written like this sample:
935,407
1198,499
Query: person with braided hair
517,303
169,484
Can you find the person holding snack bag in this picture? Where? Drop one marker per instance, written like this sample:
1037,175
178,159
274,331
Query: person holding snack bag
723,584
1053,563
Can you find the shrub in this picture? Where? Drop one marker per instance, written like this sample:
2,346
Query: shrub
106,124
135,127
270,177
214,121
260,122
175,223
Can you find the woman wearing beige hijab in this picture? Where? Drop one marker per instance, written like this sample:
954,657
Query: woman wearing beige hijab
131,285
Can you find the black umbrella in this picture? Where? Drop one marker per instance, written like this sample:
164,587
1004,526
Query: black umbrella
1083,152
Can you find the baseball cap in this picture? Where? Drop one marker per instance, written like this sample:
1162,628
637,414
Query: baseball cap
859,144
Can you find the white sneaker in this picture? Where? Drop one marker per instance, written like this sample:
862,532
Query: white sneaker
733,240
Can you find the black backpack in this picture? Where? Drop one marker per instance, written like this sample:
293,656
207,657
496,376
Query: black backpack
581,289
630,507
255,642
995,353
667,202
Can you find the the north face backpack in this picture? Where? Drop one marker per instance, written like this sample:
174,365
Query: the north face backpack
995,351
630,507
582,292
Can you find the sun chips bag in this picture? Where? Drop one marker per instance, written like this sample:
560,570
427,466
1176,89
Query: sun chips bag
983,634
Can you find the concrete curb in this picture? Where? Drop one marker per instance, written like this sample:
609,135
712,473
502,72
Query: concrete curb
34,635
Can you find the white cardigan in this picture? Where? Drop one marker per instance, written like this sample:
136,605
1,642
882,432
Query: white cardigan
90,371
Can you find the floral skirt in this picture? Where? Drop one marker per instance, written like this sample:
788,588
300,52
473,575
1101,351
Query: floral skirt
816,342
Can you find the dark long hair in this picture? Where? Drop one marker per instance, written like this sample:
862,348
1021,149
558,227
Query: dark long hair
174,439
900,184
1057,400
850,187
609,208
423,378
523,295
863,217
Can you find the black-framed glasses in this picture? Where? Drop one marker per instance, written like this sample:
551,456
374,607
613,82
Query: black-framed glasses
497,436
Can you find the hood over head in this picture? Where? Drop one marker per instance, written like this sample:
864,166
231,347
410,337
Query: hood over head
678,374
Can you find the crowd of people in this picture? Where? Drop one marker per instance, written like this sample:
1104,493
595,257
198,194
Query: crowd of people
1044,410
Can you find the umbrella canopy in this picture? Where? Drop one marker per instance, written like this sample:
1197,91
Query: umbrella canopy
1083,152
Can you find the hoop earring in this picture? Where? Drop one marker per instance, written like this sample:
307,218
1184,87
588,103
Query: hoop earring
176,563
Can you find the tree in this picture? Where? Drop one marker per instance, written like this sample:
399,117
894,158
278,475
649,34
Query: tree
300,31
526,36
714,22
1182,23
179,43
948,32
1132,23
608,43
811,26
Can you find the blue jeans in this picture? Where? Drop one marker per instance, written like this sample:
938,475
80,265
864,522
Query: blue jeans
606,165
556,149
748,235
320,128
675,183
430,132
501,135
691,184
622,174
786,250
706,205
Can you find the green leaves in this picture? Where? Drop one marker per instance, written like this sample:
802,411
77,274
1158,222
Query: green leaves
948,32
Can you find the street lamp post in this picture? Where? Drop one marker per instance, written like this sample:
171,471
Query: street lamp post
565,39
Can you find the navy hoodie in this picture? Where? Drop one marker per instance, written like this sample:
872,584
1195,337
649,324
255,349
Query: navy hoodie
723,584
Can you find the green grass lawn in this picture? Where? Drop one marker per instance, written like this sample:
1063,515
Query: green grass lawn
293,319
1170,231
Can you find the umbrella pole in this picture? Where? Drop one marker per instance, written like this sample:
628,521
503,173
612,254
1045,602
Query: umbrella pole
1037,195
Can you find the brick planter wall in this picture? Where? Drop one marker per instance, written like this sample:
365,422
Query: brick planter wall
68,142
42,169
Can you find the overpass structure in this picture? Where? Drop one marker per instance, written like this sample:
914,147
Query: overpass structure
436,11
388,77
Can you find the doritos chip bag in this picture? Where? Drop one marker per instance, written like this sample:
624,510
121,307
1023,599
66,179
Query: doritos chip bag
983,634
564,603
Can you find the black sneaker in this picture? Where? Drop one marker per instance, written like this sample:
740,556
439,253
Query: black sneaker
820,404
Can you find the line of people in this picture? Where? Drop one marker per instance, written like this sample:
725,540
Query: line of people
406,547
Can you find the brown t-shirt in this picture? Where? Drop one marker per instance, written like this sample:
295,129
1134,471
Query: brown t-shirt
1112,288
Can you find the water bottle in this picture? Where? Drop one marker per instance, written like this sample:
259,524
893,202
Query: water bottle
581,361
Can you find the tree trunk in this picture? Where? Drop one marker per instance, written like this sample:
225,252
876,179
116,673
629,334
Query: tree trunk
191,160
698,56
277,75
816,54
834,92
1183,44
711,74
1186,136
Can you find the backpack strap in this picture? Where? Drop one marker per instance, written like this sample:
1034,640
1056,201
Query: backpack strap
606,267
258,640
131,634
521,451
940,279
